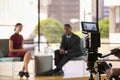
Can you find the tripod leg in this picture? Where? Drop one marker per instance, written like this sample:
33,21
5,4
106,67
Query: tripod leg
98,76
91,76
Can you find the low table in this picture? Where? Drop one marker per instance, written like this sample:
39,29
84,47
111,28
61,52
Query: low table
43,63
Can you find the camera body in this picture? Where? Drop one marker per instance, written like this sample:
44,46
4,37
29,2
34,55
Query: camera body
92,35
92,40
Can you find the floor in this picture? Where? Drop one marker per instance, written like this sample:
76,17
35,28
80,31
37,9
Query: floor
74,70
50,78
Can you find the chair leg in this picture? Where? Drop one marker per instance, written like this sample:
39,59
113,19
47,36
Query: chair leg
83,68
31,63
13,67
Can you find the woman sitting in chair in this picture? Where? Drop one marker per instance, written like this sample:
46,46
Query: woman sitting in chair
16,49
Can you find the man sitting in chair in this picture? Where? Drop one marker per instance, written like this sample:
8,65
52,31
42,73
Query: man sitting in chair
69,48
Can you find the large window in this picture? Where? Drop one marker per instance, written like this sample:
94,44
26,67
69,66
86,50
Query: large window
14,11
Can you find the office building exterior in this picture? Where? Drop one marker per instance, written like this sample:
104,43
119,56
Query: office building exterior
44,8
64,11
114,20
102,10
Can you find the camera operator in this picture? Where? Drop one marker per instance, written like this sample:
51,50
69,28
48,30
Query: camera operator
113,71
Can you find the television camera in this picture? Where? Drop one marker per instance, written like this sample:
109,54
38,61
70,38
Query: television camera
91,43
